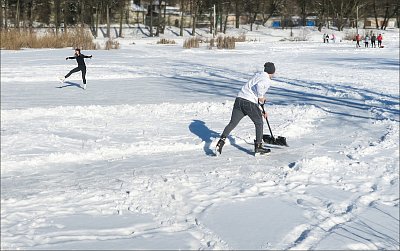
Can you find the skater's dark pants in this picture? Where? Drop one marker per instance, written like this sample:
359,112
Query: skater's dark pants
242,108
79,68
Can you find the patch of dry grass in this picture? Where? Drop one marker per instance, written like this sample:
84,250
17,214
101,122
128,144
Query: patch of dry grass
192,42
15,39
112,44
166,41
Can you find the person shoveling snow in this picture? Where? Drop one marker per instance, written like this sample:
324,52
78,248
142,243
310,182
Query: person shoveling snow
247,103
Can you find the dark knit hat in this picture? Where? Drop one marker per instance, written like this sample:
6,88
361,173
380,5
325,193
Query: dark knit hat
269,68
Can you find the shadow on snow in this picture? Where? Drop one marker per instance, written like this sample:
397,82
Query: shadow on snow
70,84
201,130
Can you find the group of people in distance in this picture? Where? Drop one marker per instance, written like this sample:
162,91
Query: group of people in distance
325,37
367,38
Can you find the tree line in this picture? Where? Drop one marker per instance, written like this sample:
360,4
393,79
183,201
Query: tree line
64,14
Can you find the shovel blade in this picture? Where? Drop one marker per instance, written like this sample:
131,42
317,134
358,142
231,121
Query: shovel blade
280,141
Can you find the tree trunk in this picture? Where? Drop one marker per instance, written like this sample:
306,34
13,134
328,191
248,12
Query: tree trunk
17,15
31,15
227,16
237,14
6,14
181,23
304,12
82,14
211,21
1,15
225,23
386,17
164,19
220,13
65,13
151,18
121,13
159,18
108,20
97,19
253,20
57,15
195,9
375,15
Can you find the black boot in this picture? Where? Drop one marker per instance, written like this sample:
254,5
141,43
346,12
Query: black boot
220,144
260,150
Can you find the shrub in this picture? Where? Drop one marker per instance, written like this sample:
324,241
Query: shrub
111,44
192,42
226,42
166,41
241,38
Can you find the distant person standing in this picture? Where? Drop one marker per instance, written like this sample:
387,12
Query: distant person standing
380,38
324,37
366,41
333,38
373,39
358,38
327,38
81,66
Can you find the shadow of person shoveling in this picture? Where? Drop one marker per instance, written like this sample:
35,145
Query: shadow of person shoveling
69,84
207,135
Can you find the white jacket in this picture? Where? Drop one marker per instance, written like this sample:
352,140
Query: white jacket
256,87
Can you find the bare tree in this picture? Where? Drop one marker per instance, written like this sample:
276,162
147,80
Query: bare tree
391,10
159,22
98,8
1,13
122,4
342,10
303,4
321,8
228,10
238,9
195,11
108,8
252,7
271,9
182,8
151,18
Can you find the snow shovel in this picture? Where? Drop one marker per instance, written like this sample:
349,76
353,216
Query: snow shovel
270,139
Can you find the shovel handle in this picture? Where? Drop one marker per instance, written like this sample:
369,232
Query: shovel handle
269,127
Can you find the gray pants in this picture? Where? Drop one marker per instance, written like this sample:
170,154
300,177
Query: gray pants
242,108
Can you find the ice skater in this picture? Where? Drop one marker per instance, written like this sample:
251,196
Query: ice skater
247,103
81,66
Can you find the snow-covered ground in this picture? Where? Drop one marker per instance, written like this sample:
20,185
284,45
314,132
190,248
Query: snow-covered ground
127,163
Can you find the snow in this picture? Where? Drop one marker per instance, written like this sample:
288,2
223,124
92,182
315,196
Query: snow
127,163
